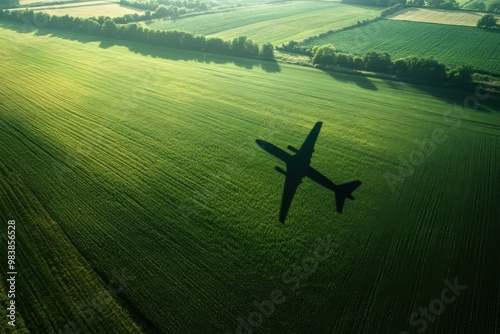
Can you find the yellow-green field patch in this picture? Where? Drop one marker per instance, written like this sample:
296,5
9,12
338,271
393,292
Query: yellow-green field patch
88,9
276,23
441,16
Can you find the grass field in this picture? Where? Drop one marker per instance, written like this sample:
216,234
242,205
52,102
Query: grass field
441,16
276,23
88,9
30,2
452,45
143,160
467,4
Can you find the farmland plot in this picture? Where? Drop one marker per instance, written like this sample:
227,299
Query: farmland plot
451,45
441,16
145,159
275,23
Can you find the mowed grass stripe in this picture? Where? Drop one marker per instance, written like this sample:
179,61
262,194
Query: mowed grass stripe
300,26
441,16
274,23
48,265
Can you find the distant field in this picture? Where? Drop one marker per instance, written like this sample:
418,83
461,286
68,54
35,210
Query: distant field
467,4
88,9
30,2
453,45
453,17
243,2
275,23
142,161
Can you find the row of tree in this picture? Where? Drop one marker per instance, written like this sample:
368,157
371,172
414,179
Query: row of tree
449,4
380,3
9,3
161,11
152,5
445,4
240,46
423,69
493,7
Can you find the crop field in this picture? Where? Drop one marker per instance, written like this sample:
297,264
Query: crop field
88,9
441,16
136,168
30,2
468,4
452,45
275,23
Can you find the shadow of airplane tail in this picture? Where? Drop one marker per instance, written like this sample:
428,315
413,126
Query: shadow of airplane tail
344,191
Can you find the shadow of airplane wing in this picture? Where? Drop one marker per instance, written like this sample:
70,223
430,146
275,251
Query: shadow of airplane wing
307,148
273,149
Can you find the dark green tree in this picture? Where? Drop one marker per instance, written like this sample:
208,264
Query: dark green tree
324,55
462,74
494,7
109,29
377,62
9,3
217,45
267,51
480,6
488,21
358,63
93,27
435,3
163,11
345,60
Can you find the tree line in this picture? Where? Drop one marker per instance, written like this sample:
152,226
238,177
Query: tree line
102,26
423,69
161,11
152,5
493,7
449,4
9,3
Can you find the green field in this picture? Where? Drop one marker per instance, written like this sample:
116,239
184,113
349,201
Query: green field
276,23
88,9
467,4
142,161
452,45
31,2
442,16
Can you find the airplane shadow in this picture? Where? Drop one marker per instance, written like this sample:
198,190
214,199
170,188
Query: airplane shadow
298,167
